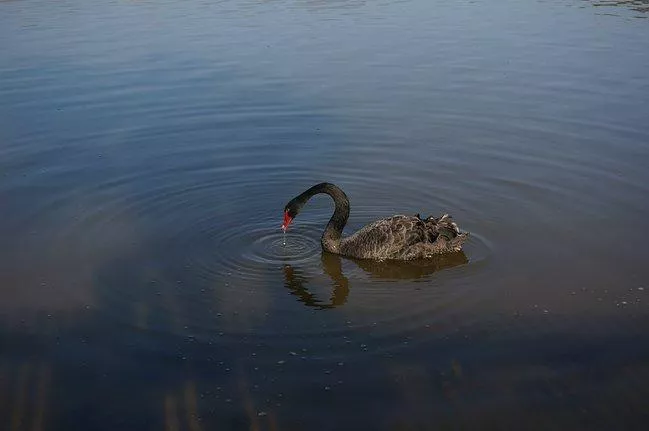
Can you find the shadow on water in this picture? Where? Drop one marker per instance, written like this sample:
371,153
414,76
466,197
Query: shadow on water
296,281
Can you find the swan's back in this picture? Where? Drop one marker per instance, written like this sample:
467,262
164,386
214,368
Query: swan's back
403,237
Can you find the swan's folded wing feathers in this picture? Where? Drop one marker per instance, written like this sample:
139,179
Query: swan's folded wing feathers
386,238
404,237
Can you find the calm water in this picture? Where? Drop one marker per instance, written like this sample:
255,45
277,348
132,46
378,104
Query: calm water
147,149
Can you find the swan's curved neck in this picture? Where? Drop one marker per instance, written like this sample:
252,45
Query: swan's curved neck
334,230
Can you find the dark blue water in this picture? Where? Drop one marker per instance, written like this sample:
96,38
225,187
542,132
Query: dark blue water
147,149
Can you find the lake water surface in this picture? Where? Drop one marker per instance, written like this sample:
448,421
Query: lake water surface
147,149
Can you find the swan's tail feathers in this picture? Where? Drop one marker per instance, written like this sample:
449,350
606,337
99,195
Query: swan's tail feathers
457,242
443,219
448,231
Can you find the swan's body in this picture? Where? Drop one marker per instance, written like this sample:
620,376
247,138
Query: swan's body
400,237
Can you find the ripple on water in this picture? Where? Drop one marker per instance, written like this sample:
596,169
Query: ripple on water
228,250
186,247
250,251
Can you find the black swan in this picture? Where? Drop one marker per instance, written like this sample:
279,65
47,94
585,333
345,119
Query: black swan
399,237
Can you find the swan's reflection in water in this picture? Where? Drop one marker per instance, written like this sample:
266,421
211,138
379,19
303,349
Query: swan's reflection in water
296,281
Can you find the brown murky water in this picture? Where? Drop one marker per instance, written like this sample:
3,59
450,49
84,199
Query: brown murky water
147,150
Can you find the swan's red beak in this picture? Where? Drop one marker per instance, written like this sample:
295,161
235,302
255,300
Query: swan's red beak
287,221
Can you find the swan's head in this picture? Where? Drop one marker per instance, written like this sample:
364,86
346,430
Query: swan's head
291,210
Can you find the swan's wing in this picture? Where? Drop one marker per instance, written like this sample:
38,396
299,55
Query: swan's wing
386,238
